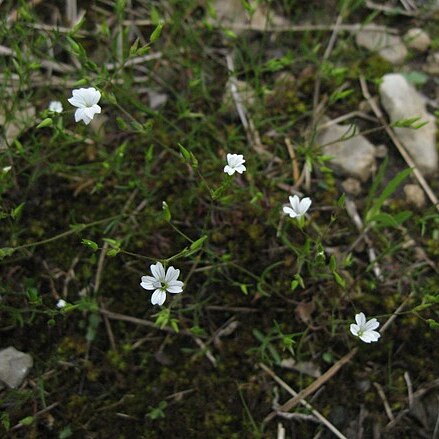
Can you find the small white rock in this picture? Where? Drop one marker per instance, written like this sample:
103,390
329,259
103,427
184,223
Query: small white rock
417,39
414,195
351,186
402,101
351,156
432,65
14,366
389,47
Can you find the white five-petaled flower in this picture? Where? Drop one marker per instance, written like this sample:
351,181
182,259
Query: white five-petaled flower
86,99
298,207
235,162
364,329
61,303
55,107
162,282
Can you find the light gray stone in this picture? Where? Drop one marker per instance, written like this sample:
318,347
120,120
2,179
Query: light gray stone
389,47
417,39
232,12
432,65
14,366
351,186
414,195
401,101
351,156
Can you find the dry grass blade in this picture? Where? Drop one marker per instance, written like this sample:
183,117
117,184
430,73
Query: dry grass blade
317,414
315,385
352,211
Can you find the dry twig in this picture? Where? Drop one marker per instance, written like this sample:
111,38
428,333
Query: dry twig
302,401
352,211
314,385
385,402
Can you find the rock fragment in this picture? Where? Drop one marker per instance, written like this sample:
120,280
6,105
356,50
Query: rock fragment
14,366
414,195
417,39
389,47
432,65
401,101
351,186
351,156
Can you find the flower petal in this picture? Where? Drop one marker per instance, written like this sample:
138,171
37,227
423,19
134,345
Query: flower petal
289,211
80,114
371,324
158,271
171,274
295,203
158,297
76,102
149,283
373,335
240,169
304,205
175,287
365,337
229,170
354,329
360,319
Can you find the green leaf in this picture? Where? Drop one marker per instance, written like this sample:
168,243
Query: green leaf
113,252
244,289
198,243
156,32
415,77
134,47
166,211
47,122
90,244
339,95
387,192
4,419
149,154
386,220
28,420
6,251
341,201
433,324
16,213
411,122
184,152
339,279
65,433
332,263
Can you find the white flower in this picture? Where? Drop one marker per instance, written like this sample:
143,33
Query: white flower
235,162
56,107
298,207
162,282
86,99
365,330
61,303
